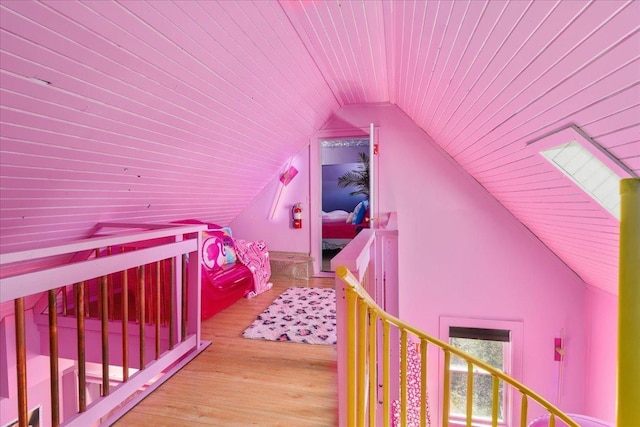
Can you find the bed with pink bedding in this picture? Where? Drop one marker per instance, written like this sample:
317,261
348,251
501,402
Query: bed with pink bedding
338,229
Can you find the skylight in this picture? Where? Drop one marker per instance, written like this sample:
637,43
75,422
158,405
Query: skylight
588,172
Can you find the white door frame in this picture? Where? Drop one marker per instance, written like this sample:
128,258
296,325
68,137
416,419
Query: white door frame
315,187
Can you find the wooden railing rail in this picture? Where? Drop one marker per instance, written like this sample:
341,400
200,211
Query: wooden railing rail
165,300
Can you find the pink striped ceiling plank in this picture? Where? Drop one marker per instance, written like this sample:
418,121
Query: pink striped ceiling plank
592,240
602,232
463,22
266,20
589,111
339,37
439,32
602,89
418,21
564,215
154,137
564,212
130,146
500,33
503,153
605,239
627,150
422,21
586,251
633,163
624,117
485,31
585,261
201,37
604,82
79,87
192,73
629,133
301,65
524,70
536,23
74,169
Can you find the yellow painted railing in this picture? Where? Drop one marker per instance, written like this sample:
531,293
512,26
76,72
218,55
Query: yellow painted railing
628,410
364,316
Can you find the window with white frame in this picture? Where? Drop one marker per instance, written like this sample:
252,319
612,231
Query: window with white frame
497,343
586,163
492,347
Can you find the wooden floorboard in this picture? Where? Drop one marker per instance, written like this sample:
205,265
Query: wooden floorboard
243,382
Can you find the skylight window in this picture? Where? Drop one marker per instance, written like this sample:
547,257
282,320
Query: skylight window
589,173
581,159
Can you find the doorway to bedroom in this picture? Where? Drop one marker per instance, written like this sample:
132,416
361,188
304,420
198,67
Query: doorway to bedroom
344,193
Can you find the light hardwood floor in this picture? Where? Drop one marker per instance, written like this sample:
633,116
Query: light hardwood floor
244,382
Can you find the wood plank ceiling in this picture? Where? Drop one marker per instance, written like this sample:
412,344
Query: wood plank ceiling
110,109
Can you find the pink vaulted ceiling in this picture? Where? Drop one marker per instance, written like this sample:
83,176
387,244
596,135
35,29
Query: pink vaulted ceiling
154,111
146,111
483,79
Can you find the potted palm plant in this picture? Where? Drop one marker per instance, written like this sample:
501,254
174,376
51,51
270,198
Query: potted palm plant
357,178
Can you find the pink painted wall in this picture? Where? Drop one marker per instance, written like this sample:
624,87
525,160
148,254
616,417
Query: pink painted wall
37,374
461,253
602,333
255,222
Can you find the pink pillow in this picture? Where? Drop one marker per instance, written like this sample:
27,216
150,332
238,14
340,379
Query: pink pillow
218,248
213,252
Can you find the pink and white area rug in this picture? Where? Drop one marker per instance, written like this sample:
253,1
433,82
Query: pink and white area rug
305,315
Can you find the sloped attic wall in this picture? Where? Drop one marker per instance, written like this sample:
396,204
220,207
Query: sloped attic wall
462,253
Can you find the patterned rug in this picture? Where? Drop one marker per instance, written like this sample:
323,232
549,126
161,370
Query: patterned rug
305,315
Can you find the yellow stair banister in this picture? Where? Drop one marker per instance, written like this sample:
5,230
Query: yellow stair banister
628,410
360,309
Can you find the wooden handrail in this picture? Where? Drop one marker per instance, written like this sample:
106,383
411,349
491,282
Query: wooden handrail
356,295
99,268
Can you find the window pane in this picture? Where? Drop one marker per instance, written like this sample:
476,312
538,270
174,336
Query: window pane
490,352
482,395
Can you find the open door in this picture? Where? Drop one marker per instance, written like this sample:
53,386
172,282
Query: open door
344,195
373,151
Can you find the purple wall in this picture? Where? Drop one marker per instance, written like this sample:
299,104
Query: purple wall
334,197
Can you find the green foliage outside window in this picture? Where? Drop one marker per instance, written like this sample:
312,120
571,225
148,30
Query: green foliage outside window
490,352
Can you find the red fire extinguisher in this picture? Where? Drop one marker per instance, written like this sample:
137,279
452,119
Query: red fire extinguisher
297,215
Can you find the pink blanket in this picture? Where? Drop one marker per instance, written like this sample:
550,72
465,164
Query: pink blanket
414,365
255,256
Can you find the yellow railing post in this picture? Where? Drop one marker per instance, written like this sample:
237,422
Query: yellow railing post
628,410
373,366
423,382
495,401
352,304
469,394
446,388
404,394
523,411
361,336
359,305
386,368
